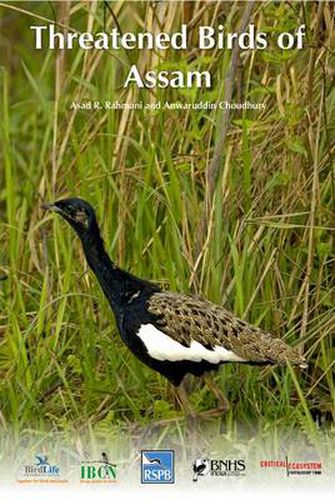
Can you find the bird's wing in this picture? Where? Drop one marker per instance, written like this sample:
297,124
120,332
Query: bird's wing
187,318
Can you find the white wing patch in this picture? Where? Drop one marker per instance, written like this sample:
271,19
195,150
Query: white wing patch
163,348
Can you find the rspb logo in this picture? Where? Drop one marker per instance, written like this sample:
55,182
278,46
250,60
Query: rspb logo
157,466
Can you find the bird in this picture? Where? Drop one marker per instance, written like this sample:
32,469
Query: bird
172,333
200,468
152,461
104,460
41,460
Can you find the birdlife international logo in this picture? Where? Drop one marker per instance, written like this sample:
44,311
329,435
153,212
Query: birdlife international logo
218,468
40,471
157,467
98,471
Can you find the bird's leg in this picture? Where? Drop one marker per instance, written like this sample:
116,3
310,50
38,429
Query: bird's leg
191,423
224,404
184,400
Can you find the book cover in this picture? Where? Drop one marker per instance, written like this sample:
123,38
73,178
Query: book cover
167,248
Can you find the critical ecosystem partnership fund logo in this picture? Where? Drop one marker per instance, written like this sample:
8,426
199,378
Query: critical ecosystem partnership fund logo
218,468
301,468
98,471
157,466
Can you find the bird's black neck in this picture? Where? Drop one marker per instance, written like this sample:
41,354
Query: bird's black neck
117,285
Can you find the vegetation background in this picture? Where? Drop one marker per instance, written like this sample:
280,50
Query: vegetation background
237,208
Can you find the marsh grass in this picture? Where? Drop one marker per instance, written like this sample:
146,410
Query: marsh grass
266,251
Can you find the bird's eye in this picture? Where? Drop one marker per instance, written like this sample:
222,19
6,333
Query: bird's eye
80,216
69,209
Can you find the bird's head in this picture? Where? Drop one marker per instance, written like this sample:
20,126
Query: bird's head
78,213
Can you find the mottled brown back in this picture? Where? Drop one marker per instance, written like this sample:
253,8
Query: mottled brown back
185,318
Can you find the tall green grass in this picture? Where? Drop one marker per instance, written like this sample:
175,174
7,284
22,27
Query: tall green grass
267,252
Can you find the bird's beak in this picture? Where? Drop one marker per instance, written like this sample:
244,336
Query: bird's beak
51,206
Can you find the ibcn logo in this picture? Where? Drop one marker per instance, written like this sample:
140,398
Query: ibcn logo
98,471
